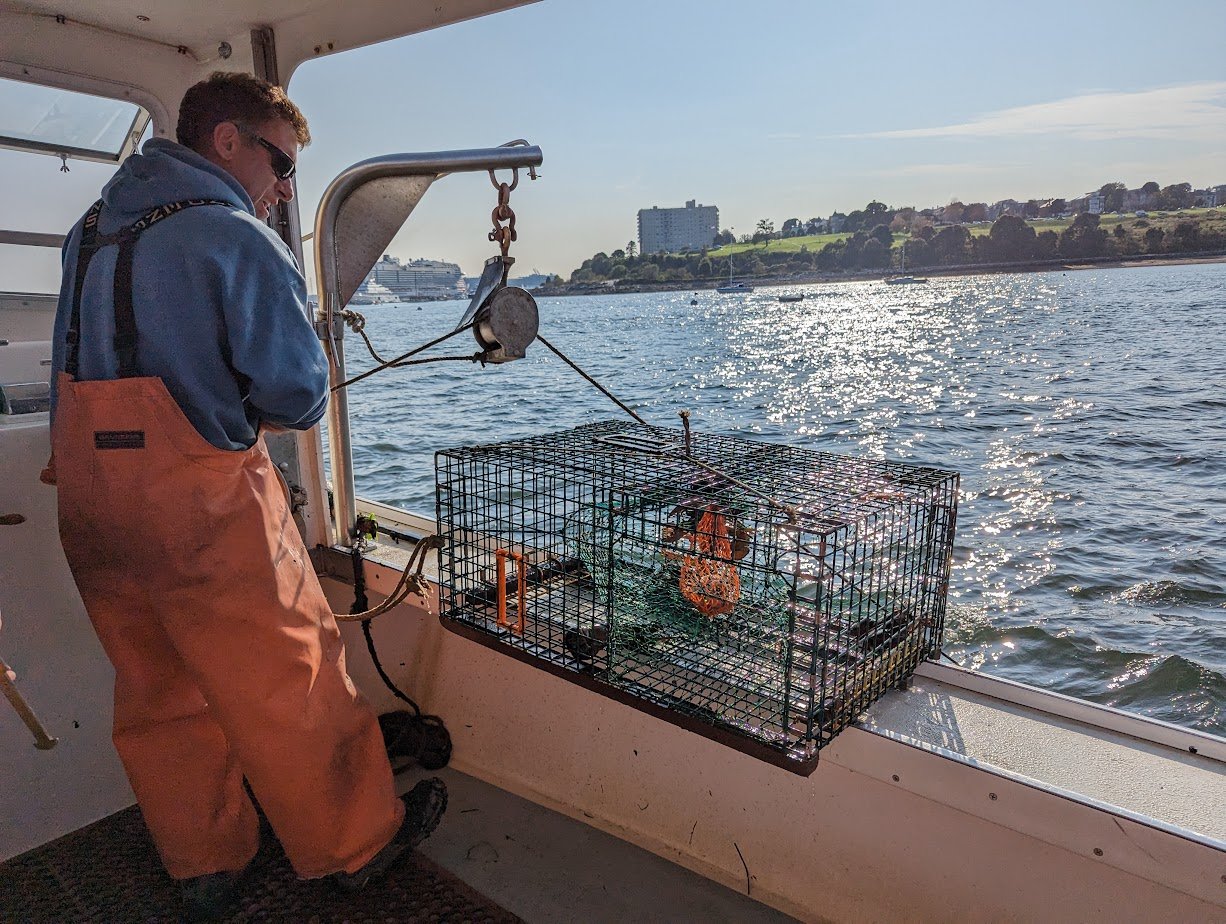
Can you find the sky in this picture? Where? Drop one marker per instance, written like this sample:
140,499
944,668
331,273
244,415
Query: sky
784,109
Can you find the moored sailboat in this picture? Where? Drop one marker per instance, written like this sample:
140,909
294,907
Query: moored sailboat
902,279
731,288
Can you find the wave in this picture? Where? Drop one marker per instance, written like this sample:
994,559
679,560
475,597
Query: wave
1171,688
1164,592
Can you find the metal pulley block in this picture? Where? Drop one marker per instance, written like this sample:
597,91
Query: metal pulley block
493,278
506,324
504,318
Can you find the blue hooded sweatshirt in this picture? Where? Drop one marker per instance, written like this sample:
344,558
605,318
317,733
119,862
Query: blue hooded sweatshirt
220,305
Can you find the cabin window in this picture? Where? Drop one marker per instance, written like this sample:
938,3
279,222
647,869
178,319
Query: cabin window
43,130
54,121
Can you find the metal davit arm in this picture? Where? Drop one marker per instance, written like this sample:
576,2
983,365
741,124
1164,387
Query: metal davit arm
360,212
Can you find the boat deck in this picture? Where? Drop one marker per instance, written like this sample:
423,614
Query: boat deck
109,872
496,858
547,868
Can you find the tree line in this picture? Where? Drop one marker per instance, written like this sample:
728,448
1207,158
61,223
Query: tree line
885,244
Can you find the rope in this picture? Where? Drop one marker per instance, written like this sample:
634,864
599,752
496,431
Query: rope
411,582
423,739
387,681
357,323
608,394
399,360
789,512
478,357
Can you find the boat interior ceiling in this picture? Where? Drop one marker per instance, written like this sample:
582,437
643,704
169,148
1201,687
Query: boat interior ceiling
157,48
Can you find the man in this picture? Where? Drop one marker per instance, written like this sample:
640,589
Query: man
182,330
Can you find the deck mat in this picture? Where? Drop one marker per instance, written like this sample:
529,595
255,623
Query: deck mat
109,873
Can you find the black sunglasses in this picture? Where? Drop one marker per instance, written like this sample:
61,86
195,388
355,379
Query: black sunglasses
283,166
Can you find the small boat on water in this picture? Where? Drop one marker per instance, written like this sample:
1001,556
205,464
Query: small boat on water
792,297
730,287
902,279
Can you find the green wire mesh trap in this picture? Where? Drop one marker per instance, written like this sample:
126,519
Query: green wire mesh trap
758,594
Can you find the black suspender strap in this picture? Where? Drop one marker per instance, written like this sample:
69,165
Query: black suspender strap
85,253
125,314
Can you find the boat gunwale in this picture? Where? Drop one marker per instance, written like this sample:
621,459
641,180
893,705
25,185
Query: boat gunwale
1096,715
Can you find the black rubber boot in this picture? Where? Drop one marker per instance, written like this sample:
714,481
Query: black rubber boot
208,898
424,806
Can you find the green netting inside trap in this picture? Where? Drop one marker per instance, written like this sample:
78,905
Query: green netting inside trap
723,658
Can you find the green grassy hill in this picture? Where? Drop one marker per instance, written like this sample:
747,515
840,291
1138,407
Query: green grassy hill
1210,220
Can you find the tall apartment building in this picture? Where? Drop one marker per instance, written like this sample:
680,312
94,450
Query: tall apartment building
671,230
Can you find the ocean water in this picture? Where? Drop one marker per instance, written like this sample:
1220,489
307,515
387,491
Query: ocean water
1085,411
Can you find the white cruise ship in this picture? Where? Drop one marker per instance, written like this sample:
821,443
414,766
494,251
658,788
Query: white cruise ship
416,279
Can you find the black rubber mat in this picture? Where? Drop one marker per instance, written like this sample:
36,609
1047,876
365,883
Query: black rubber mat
109,873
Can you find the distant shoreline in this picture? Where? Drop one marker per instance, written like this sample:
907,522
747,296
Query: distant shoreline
1149,261
980,269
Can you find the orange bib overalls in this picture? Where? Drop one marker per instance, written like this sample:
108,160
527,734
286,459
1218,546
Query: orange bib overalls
228,661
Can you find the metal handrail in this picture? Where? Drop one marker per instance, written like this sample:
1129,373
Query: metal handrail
31,239
327,274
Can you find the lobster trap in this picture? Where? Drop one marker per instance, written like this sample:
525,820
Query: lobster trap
758,594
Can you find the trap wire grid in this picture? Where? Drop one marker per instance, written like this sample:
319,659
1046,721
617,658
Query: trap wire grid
765,605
